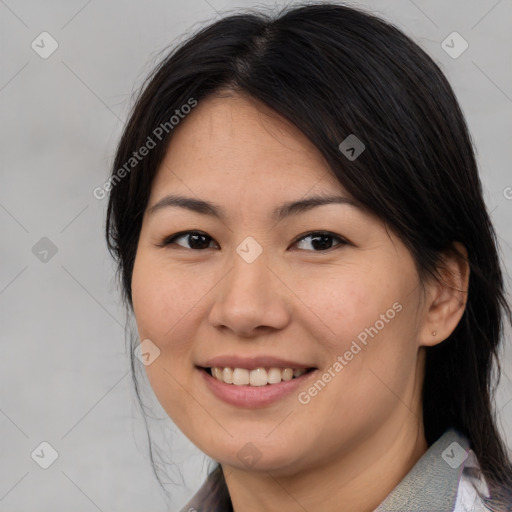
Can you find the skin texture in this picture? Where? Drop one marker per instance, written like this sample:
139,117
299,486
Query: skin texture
354,441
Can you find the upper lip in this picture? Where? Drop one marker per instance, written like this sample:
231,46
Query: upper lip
251,363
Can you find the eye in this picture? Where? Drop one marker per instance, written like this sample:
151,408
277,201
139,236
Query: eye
197,239
321,241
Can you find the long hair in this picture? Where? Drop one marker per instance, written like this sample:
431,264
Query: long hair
333,71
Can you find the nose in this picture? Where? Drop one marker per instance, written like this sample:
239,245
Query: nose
250,299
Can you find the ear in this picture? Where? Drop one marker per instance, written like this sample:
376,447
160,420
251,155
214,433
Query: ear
446,298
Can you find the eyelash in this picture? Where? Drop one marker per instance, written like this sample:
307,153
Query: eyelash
171,239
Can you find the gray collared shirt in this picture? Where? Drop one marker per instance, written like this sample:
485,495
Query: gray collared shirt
443,480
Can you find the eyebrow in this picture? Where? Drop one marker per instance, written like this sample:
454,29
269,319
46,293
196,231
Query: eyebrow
282,211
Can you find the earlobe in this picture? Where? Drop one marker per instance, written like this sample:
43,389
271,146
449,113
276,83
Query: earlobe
446,297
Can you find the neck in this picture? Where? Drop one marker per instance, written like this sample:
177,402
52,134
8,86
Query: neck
359,480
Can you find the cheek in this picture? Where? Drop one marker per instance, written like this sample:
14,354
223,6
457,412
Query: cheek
162,298
346,303
374,322
147,291
162,304
367,315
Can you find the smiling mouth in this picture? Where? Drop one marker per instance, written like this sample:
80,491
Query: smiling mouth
256,377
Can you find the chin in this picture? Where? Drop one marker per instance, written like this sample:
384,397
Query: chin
258,458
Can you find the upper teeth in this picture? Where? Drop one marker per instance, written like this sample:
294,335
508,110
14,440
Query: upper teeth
256,377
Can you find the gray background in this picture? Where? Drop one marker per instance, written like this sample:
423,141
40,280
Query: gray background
64,367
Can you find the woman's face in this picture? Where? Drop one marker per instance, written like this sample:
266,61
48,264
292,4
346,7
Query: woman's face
252,284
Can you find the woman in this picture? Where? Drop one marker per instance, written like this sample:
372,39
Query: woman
300,231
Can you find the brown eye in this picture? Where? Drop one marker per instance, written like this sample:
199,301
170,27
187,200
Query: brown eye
321,241
196,240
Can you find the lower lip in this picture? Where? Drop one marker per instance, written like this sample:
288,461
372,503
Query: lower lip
253,396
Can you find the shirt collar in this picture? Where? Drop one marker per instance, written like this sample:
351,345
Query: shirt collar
433,482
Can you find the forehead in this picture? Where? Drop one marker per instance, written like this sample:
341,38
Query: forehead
235,139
